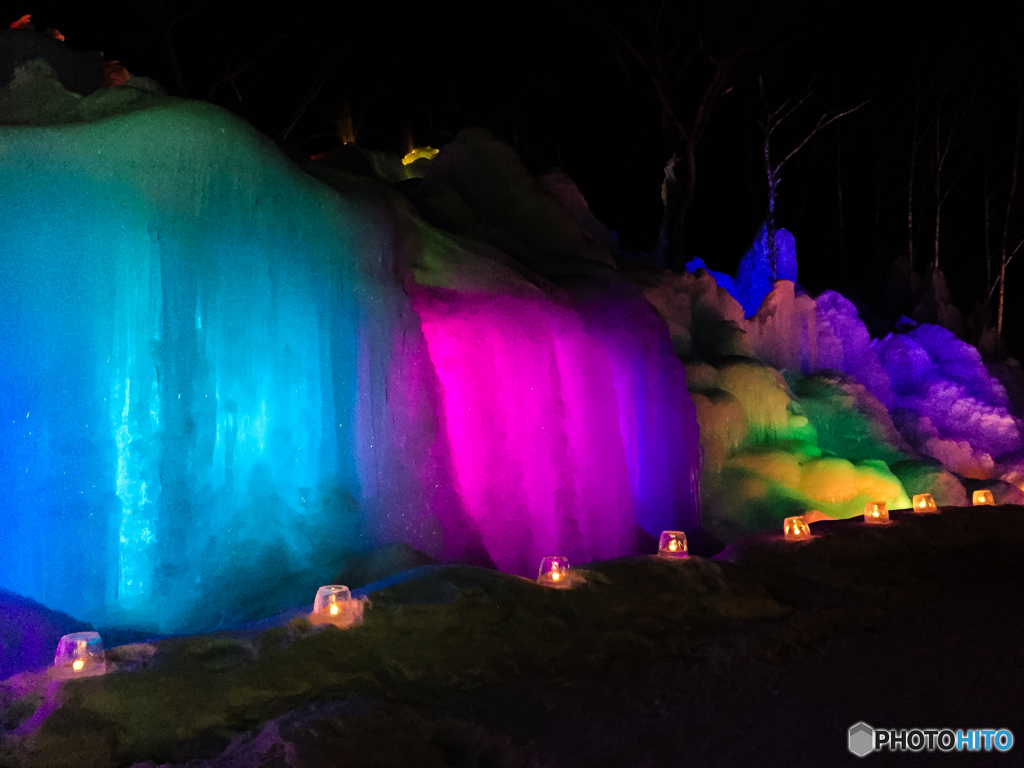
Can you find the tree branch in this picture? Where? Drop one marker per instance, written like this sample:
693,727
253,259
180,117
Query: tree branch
822,123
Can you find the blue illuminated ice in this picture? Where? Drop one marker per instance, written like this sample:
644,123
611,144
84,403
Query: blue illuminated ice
215,383
754,276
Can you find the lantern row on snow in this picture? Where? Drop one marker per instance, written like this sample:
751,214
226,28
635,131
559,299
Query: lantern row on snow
80,654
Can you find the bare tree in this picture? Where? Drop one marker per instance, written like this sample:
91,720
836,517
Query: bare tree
773,119
945,143
675,58
1004,258
839,201
987,195
916,139
165,18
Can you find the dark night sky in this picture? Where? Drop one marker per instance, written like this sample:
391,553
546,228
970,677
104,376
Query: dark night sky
542,76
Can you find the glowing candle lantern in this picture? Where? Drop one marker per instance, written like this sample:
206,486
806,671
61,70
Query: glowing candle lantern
334,605
984,499
80,654
923,502
554,572
672,544
796,528
876,513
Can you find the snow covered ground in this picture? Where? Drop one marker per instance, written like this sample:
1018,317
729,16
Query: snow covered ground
648,663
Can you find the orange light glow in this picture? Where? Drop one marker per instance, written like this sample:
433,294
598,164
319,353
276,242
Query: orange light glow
796,529
344,128
78,665
923,502
876,513
554,572
25,22
983,499
672,544
333,604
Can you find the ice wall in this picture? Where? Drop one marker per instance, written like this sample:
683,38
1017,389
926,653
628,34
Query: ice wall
219,375
181,358
589,431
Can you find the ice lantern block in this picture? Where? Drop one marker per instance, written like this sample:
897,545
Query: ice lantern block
554,572
923,502
672,544
80,655
984,499
334,605
876,513
796,529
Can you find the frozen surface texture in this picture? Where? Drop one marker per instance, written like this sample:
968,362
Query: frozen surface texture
946,403
754,278
824,438
783,331
705,321
584,428
844,344
222,374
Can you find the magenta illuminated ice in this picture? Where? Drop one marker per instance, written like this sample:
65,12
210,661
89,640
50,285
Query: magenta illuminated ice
555,442
251,376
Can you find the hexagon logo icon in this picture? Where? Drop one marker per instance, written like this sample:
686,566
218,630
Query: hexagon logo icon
862,739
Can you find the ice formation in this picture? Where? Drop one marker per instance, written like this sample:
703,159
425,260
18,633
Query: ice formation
220,374
223,373
946,403
844,344
754,279
891,416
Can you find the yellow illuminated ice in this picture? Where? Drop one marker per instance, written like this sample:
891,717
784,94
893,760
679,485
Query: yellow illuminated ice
419,153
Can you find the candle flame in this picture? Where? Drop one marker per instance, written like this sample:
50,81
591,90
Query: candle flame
78,665
673,545
555,574
334,609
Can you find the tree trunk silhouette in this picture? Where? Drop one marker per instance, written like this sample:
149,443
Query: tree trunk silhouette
774,118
